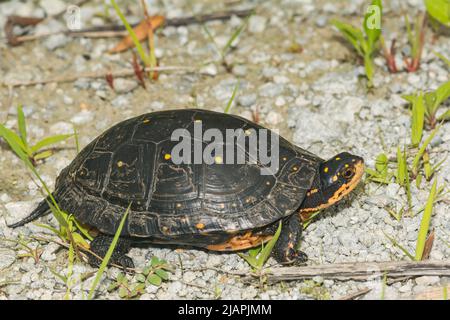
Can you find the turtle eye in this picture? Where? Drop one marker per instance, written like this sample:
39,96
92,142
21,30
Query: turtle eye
348,173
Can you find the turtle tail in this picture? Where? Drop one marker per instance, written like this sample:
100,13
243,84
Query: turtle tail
41,210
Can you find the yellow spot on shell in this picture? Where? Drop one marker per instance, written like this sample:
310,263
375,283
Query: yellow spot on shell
268,183
325,170
146,121
178,205
218,159
295,168
119,164
346,165
335,178
338,158
167,156
200,226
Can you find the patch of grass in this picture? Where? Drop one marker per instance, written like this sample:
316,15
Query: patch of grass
425,223
153,274
416,40
423,229
316,290
29,251
108,255
149,60
38,151
431,101
67,224
365,41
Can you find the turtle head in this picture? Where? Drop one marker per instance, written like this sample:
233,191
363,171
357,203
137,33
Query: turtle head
335,178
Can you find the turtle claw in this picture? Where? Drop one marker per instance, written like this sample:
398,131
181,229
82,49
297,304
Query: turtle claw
293,257
125,262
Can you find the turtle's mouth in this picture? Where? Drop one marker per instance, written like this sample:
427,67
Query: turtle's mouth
346,188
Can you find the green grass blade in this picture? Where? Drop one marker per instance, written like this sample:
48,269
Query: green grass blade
373,34
49,141
445,116
233,95
368,65
395,243
419,155
77,142
439,10
132,34
442,94
22,125
14,142
401,170
211,38
418,117
250,260
235,35
109,253
440,56
353,35
425,223
267,250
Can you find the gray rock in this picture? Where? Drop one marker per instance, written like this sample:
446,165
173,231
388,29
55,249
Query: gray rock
247,100
7,258
210,69
427,280
189,276
321,21
82,83
56,41
49,253
270,89
82,117
52,7
257,24
122,85
16,211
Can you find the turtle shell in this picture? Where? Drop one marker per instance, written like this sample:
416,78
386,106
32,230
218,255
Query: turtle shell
130,164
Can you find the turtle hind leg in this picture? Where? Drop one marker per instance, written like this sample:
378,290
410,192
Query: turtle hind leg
100,246
285,250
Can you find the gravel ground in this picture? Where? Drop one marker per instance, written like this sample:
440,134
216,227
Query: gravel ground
317,98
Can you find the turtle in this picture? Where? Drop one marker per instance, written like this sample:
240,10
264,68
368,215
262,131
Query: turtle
218,206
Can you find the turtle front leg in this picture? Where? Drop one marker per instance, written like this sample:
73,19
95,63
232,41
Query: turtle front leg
100,246
285,251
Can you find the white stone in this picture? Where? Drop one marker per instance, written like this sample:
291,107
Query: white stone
16,211
52,7
257,24
122,85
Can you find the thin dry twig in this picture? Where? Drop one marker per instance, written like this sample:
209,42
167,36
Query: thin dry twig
94,75
119,30
361,271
